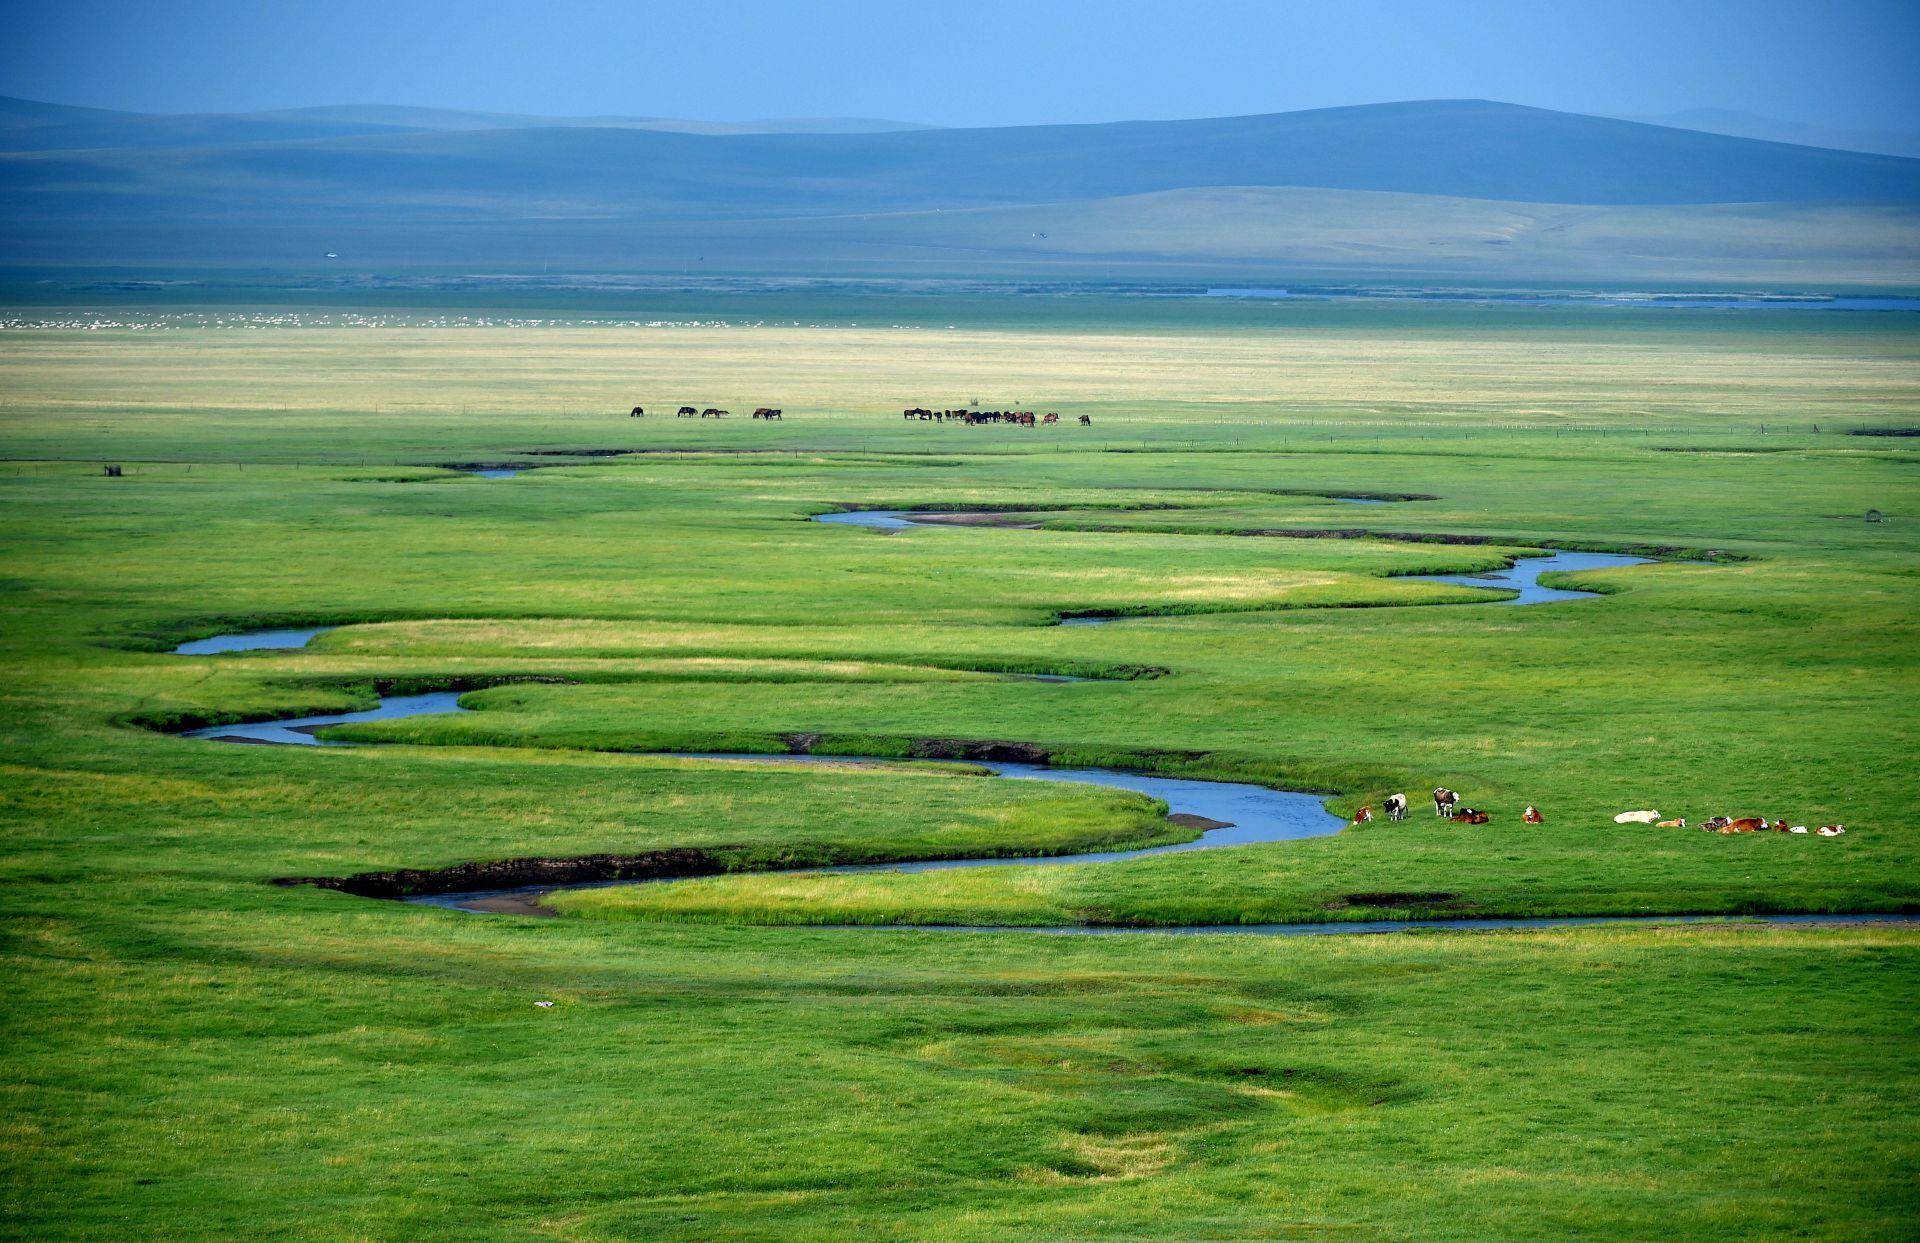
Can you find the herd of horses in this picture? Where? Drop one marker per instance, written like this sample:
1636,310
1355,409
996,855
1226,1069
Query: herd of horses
973,418
711,412
1446,805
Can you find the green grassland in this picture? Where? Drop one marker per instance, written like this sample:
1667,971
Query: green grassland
192,1052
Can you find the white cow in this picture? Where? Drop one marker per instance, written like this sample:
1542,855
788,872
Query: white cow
1637,817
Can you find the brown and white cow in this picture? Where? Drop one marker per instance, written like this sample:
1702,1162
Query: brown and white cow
1532,815
1443,801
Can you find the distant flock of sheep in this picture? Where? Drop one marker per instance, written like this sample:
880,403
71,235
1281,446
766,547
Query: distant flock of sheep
1446,805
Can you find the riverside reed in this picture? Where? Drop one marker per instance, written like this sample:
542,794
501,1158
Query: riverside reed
192,1052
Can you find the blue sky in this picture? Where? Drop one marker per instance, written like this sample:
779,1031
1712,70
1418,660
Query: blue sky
983,62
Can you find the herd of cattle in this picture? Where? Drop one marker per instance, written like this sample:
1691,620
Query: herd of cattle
973,418
1728,824
1446,805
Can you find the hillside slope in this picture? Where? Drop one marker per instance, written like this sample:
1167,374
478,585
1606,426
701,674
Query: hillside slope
1590,191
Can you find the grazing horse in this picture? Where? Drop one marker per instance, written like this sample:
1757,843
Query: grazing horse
766,412
712,413
1396,807
687,412
1050,417
1532,815
638,412
1086,420
1443,801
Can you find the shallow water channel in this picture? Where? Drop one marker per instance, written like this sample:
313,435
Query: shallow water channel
1230,813
1522,577
1239,814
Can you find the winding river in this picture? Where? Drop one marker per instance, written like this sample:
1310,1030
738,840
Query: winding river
1522,577
1227,813
1232,813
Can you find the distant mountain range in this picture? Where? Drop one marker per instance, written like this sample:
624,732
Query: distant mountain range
1457,186
1772,129
26,125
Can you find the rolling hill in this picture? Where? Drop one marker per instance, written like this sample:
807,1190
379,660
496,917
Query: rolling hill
1455,186
28,125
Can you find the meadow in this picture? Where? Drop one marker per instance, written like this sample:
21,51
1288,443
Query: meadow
191,1051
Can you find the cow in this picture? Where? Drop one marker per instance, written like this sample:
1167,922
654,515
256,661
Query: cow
1086,420
1636,817
638,412
1831,830
1713,824
1363,816
1681,823
1470,815
1396,807
1443,801
1798,828
686,412
1532,815
1745,824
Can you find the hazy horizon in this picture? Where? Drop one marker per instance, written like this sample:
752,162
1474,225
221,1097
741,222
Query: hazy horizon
998,64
